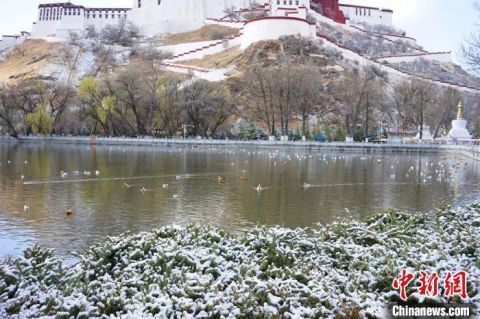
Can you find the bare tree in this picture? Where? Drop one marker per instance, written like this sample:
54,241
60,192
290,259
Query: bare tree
126,87
413,99
91,32
284,87
207,105
57,99
471,49
8,109
73,38
169,110
310,97
105,60
150,55
360,94
259,86
232,13
123,33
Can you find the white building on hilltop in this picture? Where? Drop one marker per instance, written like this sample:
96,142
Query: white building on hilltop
370,15
59,19
176,16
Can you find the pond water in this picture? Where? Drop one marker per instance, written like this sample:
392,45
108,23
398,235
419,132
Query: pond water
299,188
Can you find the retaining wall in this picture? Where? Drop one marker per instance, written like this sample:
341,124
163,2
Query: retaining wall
434,56
472,151
271,28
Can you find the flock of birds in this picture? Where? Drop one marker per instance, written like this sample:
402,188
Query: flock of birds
440,170
220,179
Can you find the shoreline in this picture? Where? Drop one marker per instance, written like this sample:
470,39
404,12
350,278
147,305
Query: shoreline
471,151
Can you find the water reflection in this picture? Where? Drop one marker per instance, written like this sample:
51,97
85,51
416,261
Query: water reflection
303,188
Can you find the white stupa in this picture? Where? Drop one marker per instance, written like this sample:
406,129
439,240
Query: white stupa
459,126
426,135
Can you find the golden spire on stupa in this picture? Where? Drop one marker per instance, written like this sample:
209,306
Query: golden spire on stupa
460,111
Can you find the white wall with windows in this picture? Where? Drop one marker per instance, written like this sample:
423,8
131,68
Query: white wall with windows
290,8
99,18
59,19
370,15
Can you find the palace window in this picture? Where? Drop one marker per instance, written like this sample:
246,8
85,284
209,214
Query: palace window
278,2
139,3
290,2
297,2
159,2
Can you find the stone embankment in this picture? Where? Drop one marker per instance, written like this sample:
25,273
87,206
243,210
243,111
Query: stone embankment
470,149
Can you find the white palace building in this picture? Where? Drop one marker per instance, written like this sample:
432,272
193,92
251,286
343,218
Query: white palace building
175,16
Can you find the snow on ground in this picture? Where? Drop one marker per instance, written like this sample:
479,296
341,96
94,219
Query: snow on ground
199,272
4,54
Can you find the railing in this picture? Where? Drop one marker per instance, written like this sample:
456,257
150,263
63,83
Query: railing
471,147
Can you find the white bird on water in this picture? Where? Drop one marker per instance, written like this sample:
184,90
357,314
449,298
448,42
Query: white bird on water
260,188
63,174
97,173
165,186
178,177
26,208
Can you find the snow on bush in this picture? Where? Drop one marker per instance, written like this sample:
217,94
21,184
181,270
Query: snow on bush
199,272
440,71
383,29
365,43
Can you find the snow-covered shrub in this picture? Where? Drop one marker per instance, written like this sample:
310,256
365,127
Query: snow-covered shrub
199,272
440,71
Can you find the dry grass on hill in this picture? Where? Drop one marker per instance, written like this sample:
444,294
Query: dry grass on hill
27,60
206,33
217,61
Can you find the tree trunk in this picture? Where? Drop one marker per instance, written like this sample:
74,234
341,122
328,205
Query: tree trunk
421,125
347,125
304,125
367,110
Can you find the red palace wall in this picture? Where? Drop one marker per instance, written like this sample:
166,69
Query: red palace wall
331,9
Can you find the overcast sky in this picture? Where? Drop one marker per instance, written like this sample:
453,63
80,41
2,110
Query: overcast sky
439,25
